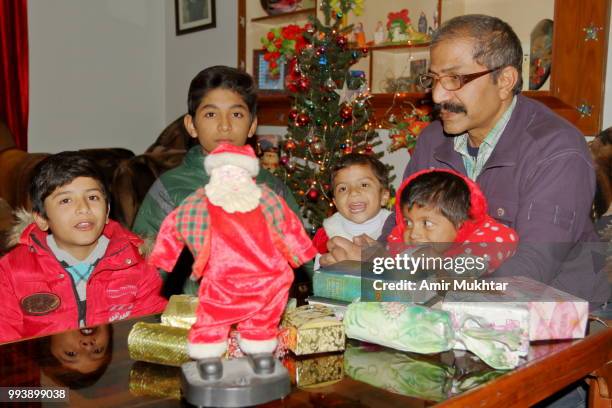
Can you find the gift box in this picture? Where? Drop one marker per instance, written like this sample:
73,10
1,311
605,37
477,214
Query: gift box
180,311
316,371
312,329
419,329
499,316
553,314
159,344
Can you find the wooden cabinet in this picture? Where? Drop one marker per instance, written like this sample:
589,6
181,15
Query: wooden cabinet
575,89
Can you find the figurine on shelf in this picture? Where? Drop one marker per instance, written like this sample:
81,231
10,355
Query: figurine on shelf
359,35
242,236
379,34
422,23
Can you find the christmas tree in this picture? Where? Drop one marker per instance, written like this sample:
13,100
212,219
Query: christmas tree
331,114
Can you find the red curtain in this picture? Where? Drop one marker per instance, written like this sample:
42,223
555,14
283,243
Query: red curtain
14,69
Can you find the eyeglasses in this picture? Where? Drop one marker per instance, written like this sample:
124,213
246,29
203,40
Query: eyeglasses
451,82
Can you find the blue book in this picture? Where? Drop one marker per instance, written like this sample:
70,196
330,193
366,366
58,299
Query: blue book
349,281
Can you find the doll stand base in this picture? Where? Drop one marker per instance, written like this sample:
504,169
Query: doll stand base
245,381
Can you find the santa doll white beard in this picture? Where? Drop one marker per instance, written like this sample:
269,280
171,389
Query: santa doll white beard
233,195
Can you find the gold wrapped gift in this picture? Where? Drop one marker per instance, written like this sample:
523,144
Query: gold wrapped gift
315,371
313,329
153,380
180,311
159,344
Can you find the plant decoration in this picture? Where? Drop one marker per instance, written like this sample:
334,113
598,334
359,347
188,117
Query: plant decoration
398,19
282,42
405,130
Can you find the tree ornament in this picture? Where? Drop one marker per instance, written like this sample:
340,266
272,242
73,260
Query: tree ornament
342,42
304,84
293,114
330,85
284,160
290,145
290,166
316,148
321,51
368,150
319,122
302,119
323,60
339,15
355,55
346,112
348,150
365,50
313,194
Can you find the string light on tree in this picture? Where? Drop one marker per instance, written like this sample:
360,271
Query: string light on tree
331,115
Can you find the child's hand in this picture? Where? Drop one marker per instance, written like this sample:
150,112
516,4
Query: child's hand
343,249
364,240
327,259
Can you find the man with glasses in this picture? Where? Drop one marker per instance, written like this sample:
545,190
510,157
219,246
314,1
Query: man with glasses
533,166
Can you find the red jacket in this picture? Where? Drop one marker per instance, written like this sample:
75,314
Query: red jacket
480,235
122,285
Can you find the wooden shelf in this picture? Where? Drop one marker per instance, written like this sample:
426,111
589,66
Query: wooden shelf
397,46
274,108
280,19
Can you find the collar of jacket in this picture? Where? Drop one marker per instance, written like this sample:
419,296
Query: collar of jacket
507,149
121,241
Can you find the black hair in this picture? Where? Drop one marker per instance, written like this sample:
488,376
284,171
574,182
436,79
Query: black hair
495,42
68,377
441,190
357,159
58,170
223,77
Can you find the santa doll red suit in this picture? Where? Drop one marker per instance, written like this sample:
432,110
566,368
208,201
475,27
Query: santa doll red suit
243,237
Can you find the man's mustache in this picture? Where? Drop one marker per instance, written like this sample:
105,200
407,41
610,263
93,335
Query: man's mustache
450,107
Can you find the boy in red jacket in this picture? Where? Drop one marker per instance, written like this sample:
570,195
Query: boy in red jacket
446,211
72,267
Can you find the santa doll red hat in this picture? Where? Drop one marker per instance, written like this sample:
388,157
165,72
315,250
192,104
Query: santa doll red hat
239,156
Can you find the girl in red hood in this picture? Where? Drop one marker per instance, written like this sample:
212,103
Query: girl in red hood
442,207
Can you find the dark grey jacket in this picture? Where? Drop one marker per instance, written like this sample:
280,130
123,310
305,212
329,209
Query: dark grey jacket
540,181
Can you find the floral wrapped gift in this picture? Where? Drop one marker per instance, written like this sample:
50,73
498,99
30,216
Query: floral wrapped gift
418,329
553,314
401,373
497,315
315,371
313,329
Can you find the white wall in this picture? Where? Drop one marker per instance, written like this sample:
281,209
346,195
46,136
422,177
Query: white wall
96,73
188,54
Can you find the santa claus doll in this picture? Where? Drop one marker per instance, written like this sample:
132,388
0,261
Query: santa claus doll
245,240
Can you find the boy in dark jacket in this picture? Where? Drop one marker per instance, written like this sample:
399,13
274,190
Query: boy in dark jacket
72,267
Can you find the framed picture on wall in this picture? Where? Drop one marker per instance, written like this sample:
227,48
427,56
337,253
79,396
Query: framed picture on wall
265,80
194,15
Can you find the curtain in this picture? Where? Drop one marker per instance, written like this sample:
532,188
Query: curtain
14,69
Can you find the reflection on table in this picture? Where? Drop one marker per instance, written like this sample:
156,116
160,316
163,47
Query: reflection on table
94,363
